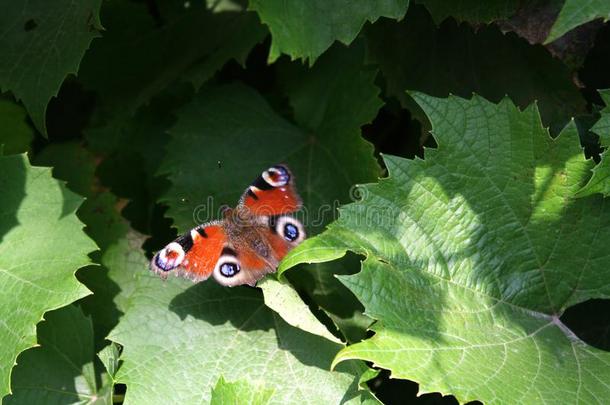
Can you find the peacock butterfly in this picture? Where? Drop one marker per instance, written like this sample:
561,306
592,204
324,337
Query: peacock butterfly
247,243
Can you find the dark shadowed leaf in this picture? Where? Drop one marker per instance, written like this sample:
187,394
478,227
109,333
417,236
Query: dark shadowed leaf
210,158
456,59
305,29
15,134
62,369
41,43
473,11
139,56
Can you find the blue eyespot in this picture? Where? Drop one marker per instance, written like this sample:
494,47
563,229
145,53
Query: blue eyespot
279,175
163,264
291,232
229,269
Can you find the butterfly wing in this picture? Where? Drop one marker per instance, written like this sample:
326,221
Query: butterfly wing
272,193
284,233
241,264
250,256
193,255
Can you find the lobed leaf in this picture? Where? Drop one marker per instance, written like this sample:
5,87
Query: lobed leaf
41,246
41,43
210,161
62,368
307,29
120,260
139,56
575,13
324,150
600,181
194,334
473,254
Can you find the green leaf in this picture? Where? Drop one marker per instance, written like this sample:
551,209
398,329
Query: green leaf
41,43
575,13
139,57
319,282
473,11
239,392
435,61
15,134
113,278
62,368
307,29
325,151
109,356
72,163
41,246
284,300
473,254
600,181
193,334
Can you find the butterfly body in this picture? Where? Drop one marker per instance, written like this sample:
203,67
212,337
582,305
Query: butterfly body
247,243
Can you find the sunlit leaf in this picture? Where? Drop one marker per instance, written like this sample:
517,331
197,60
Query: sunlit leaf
194,334
473,254
42,244
600,181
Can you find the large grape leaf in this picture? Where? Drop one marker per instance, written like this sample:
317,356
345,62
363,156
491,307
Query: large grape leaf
234,126
473,11
473,254
138,57
193,334
41,43
228,134
42,244
600,181
305,29
575,13
456,59
62,368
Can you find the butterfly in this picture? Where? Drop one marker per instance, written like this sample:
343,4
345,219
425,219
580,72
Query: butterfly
247,243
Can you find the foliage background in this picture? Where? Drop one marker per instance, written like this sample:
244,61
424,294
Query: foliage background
119,118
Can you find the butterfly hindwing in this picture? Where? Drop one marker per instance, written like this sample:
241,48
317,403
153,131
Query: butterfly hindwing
240,264
272,193
193,255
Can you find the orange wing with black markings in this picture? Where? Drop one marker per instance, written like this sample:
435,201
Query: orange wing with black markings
272,193
193,255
